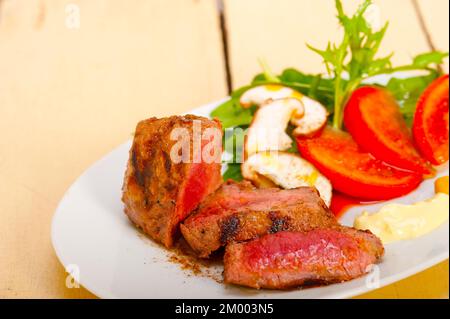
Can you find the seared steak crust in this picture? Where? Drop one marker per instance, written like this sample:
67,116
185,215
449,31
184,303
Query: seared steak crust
239,212
158,193
290,259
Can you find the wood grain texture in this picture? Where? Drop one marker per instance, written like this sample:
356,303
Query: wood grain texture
435,14
68,96
429,284
278,31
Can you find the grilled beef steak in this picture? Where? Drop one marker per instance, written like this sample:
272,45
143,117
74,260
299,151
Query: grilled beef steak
158,192
290,259
239,212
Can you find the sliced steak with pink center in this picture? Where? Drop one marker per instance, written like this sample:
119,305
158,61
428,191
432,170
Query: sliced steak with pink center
239,212
290,259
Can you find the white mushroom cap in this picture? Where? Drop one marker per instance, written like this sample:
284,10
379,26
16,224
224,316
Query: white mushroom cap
288,171
267,132
263,93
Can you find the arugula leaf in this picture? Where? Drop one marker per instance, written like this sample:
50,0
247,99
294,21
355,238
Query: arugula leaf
293,148
233,172
231,114
407,92
234,143
313,86
356,56
424,60
267,72
429,61
299,81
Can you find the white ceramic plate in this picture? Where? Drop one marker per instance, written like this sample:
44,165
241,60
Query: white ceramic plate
93,239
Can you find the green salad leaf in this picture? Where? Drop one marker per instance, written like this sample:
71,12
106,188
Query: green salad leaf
407,91
314,86
348,65
233,142
232,114
233,172
426,59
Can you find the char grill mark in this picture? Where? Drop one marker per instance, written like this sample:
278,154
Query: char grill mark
278,223
228,230
157,193
137,171
240,212
167,162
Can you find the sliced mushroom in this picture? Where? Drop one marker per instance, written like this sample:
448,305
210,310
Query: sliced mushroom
286,170
267,132
306,123
312,121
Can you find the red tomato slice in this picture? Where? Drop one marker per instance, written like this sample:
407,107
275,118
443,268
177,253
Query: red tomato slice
373,118
430,128
353,171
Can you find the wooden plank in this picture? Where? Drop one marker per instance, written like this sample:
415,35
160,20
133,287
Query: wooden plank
259,28
429,284
435,14
69,95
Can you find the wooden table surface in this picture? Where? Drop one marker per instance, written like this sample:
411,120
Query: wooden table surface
76,76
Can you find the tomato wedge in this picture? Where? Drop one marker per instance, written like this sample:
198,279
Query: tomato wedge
430,127
353,171
373,118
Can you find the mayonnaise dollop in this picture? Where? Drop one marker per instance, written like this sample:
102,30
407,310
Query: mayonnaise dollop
397,221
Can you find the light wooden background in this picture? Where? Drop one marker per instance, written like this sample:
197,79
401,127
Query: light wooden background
69,96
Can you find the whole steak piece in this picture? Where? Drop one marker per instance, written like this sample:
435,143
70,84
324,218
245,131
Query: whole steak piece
161,187
239,212
290,259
